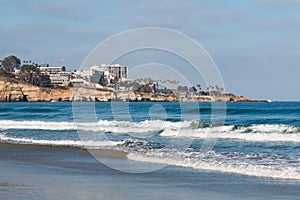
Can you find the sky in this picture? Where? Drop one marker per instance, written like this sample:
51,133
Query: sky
254,43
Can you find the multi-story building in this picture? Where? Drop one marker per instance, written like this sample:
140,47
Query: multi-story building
118,71
59,77
46,68
95,73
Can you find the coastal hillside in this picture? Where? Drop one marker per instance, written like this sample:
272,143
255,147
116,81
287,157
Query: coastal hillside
12,90
34,82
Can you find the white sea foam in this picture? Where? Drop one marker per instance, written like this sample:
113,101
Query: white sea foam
255,133
254,137
73,143
101,125
40,125
221,163
188,129
268,128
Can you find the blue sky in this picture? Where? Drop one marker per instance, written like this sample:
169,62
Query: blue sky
255,43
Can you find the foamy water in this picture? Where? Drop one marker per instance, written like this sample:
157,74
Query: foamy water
185,129
257,140
72,143
239,164
101,125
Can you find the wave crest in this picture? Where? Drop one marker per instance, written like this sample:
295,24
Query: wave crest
187,129
239,163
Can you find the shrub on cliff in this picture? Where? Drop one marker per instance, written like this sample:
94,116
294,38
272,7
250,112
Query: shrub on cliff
3,73
31,74
10,63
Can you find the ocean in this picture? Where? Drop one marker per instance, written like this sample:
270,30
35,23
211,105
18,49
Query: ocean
255,139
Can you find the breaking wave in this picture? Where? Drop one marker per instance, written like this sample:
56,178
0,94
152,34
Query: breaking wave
188,129
259,165
255,133
72,143
101,125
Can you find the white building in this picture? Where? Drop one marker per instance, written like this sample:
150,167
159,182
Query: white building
95,73
47,69
119,71
59,77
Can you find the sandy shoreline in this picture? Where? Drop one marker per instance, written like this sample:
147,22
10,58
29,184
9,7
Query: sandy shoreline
45,172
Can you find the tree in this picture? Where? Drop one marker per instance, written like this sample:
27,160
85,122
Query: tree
185,89
63,68
209,88
148,80
30,69
31,74
10,63
180,88
192,90
221,90
217,87
43,81
199,87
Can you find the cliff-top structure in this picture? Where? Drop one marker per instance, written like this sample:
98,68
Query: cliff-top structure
31,82
12,90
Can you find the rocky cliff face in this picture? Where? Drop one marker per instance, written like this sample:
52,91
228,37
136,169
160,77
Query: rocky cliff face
13,91
18,91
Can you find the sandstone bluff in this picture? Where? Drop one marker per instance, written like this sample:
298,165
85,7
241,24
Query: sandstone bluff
16,91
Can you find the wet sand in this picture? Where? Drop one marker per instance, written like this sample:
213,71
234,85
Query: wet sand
46,172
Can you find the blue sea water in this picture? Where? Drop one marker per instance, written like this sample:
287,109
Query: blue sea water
255,139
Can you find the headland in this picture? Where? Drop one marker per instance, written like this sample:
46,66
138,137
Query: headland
32,82
13,90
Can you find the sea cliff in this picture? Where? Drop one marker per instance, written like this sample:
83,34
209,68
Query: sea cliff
16,91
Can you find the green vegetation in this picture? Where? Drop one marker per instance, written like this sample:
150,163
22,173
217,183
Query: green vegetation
31,74
10,63
28,72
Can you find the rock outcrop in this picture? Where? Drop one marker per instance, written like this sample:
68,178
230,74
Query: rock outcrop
17,91
12,90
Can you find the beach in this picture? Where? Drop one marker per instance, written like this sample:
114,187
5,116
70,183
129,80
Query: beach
45,172
150,100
